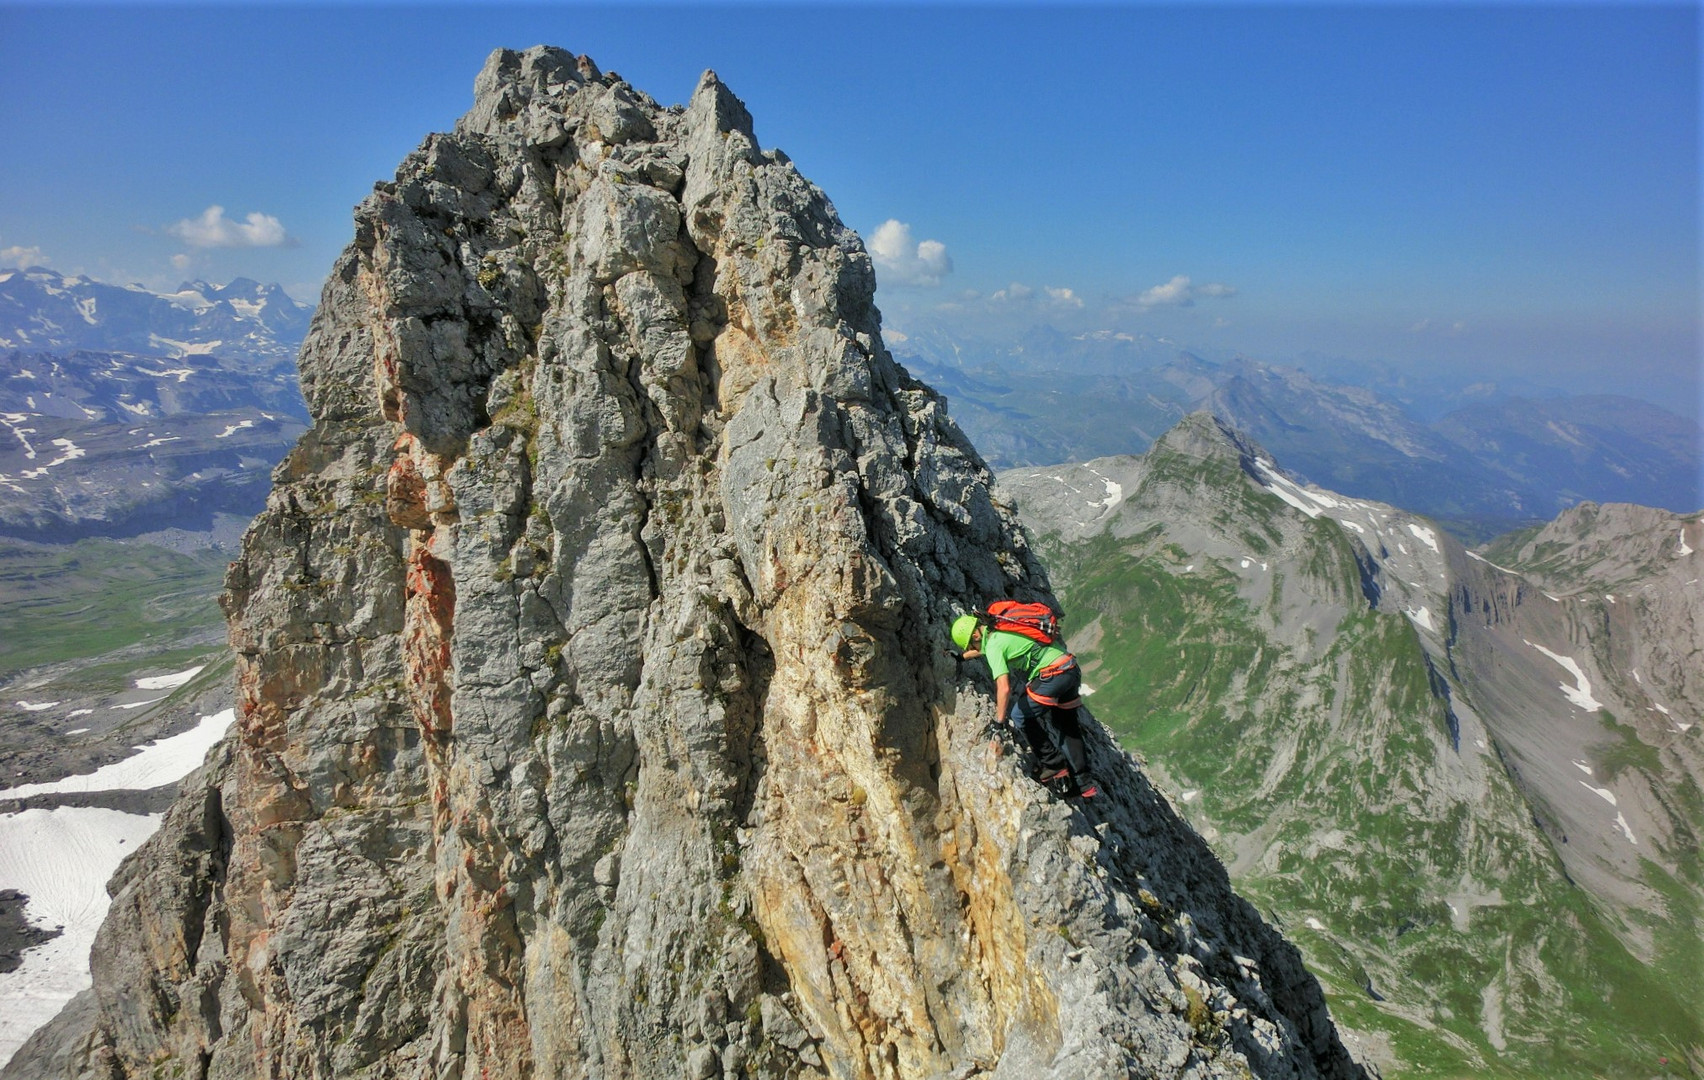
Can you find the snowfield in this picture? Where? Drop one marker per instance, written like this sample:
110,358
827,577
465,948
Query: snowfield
169,682
61,859
1425,536
1581,693
1422,617
155,765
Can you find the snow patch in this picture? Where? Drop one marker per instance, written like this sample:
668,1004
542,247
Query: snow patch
12,420
36,706
1190,796
1603,793
78,731
1313,924
68,451
1627,830
1423,617
240,424
1581,693
155,765
180,349
60,859
169,682
139,410
1424,535
1684,549
1547,596
139,704
1284,489
1583,767
1347,524
1488,562
1659,708
181,373
79,712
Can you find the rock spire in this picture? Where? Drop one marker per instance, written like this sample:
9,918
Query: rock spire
594,716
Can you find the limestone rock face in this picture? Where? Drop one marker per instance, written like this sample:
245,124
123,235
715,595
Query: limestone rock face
594,714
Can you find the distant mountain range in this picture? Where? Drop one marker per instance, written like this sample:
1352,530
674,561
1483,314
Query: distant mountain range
1483,468
44,311
124,411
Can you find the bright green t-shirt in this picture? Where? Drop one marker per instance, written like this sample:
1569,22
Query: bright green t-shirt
1006,651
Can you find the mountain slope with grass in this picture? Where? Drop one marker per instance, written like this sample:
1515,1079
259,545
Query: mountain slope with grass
1300,669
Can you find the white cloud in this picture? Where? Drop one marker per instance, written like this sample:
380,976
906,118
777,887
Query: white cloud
1180,292
1019,293
182,262
22,257
1427,326
214,230
903,261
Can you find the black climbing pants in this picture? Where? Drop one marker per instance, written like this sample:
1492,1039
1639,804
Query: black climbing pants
1053,694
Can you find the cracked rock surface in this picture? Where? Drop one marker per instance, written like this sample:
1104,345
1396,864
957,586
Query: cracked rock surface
594,719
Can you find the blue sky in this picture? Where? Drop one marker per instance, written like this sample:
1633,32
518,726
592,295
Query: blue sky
1508,189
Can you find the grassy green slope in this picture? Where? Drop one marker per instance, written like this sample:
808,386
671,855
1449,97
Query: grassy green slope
1326,776
97,597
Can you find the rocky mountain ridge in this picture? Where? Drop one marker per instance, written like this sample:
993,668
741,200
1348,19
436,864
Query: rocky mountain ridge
593,719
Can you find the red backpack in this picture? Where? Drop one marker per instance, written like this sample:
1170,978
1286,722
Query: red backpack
1038,622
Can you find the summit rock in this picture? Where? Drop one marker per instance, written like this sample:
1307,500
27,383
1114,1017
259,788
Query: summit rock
594,718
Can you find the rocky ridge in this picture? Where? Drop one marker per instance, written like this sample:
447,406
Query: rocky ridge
593,718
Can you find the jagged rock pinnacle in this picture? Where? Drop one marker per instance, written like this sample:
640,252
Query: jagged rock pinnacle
594,715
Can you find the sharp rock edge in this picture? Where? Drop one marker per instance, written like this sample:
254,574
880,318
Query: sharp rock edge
594,720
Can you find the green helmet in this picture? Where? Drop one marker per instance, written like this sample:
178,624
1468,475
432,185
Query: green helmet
963,627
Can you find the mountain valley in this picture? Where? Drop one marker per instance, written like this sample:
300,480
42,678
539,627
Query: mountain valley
1468,784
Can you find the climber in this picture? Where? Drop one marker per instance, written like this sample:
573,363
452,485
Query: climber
1021,643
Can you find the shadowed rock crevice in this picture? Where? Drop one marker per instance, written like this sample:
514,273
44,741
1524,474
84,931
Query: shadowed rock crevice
594,716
